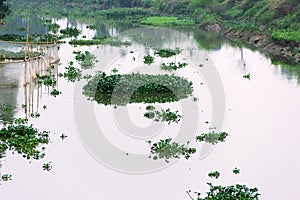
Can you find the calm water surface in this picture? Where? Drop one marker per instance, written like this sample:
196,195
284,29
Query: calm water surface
261,114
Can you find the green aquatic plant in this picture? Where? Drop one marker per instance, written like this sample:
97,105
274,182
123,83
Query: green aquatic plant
232,192
123,89
162,115
148,60
10,55
63,136
35,115
86,60
167,21
6,177
47,166
172,66
100,40
70,32
247,76
71,74
236,171
214,174
55,93
167,53
166,149
91,27
25,140
115,70
212,137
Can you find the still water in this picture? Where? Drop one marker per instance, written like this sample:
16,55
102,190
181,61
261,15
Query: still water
261,115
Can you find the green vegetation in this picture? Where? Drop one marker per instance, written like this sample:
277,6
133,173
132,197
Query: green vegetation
167,21
240,192
71,74
212,137
167,53
286,35
214,174
9,55
120,89
47,166
100,40
70,32
166,149
236,170
55,93
247,76
86,59
163,115
172,66
23,139
6,177
149,60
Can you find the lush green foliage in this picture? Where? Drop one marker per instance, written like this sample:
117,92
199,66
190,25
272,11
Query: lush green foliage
172,66
167,21
148,59
286,35
162,115
86,60
212,137
71,74
70,32
120,89
166,149
166,53
232,192
214,174
24,140
101,40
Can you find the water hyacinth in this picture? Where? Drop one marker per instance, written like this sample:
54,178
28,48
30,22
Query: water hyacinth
124,89
167,53
23,139
212,137
163,115
166,149
172,66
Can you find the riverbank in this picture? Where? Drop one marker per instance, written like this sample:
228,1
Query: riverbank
262,42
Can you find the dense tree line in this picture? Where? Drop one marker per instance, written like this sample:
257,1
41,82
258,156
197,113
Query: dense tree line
3,9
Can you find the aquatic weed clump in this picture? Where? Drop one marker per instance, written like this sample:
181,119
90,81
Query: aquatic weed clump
121,89
23,139
166,149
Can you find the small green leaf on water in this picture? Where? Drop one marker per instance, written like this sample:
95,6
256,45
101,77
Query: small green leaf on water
236,171
47,166
214,174
63,136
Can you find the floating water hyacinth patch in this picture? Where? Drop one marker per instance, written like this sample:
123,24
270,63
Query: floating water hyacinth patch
23,139
172,66
35,115
162,115
70,32
236,170
166,149
47,80
232,192
6,177
148,59
167,53
47,166
214,174
86,60
63,136
212,137
71,74
247,76
55,93
124,89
